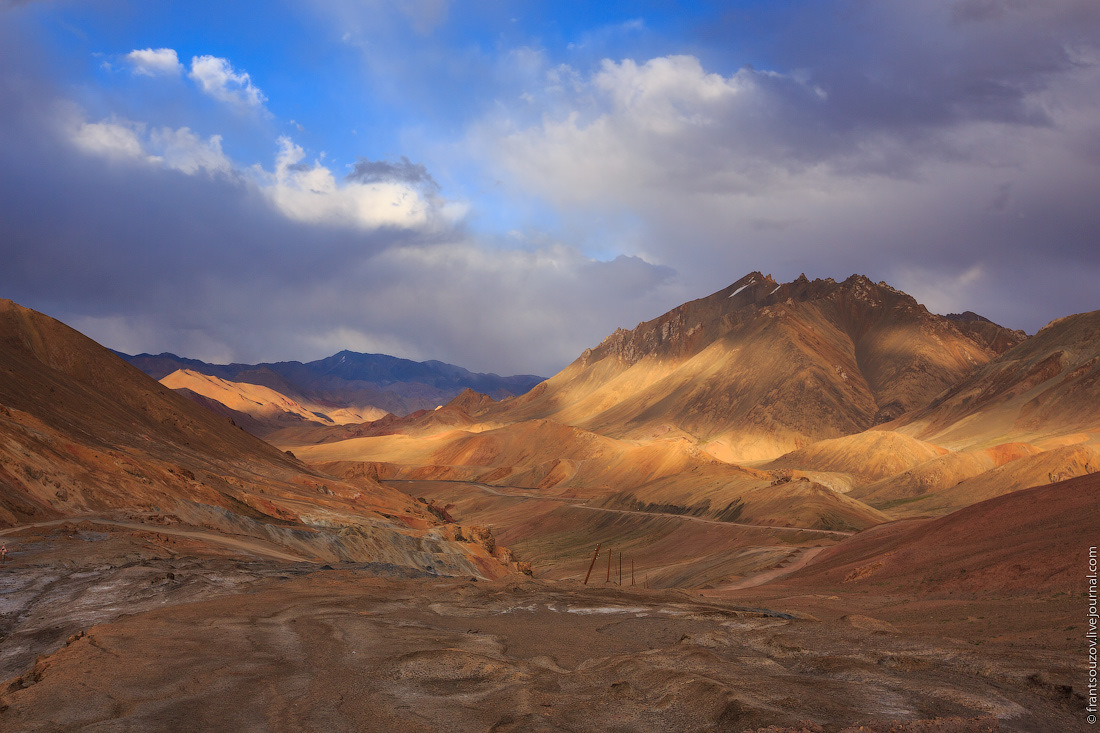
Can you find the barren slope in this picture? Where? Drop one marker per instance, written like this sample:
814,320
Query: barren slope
1030,416
867,456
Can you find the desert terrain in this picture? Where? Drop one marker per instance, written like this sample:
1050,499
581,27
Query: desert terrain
817,507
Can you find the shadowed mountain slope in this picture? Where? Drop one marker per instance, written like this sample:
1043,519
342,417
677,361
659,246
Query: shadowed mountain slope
1030,416
997,338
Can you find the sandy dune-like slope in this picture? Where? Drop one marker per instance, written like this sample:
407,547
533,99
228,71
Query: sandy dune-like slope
264,403
1033,470
866,456
942,472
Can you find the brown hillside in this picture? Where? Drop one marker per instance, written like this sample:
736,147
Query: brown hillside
997,339
942,472
1031,470
84,433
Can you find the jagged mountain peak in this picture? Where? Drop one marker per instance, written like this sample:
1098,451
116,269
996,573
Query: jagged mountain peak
761,365
694,325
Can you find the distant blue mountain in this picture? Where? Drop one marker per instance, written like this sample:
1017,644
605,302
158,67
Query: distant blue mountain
396,385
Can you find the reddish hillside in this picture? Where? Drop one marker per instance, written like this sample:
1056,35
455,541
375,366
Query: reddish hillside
1031,540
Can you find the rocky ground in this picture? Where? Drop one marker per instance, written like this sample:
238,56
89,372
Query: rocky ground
110,628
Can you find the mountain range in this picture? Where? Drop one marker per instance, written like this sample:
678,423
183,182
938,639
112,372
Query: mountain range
820,481
819,404
363,383
823,404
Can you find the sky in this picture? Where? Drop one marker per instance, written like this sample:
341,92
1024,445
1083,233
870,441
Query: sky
500,185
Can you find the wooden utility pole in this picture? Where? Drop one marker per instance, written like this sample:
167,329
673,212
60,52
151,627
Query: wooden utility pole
632,571
620,568
608,579
592,564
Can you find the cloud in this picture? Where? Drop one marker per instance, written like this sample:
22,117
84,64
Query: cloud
217,78
154,62
937,142
374,195
183,150
403,171
110,140
665,124
942,292
419,301
163,147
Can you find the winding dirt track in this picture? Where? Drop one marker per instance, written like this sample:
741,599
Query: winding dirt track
804,558
494,490
248,545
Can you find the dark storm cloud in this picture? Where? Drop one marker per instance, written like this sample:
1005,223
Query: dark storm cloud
945,147
403,171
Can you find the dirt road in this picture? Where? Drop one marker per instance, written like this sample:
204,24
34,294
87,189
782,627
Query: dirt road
803,559
248,545
496,491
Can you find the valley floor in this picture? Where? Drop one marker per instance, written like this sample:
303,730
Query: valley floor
110,628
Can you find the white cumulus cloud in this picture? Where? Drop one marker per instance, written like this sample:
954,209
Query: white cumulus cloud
109,139
217,78
176,149
183,150
311,193
154,62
